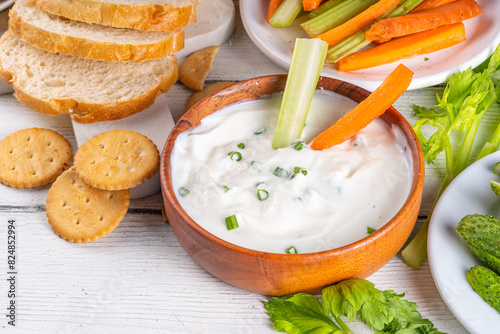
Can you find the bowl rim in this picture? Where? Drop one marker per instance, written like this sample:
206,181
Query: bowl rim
169,194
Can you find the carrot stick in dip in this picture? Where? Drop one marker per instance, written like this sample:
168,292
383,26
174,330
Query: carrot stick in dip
404,47
369,109
358,22
454,12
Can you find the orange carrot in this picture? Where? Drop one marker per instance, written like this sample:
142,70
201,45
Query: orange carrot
425,20
405,47
310,5
364,113
427,4
358,22
273,5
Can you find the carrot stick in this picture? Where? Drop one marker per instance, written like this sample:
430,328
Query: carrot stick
273,5
427,4
394,85
425,20
310,5
364,113
358,22
405,47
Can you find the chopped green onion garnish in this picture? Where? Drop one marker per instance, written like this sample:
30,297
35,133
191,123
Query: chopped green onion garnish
260,131
298,170
183,191
226,188
254,165
299,145
235,156
370,230
291,250
262,194
241,145
280,172
231,222
426,59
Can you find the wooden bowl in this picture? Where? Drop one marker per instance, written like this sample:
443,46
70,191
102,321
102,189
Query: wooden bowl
282,274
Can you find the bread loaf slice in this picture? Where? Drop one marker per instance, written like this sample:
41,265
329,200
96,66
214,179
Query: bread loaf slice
57,34
152,15
89,90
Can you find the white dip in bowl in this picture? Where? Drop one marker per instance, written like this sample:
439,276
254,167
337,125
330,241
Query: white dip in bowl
315,201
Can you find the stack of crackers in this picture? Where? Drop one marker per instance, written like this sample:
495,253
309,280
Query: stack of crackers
88,200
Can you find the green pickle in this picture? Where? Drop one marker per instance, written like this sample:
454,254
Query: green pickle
495,186
486,284
482,233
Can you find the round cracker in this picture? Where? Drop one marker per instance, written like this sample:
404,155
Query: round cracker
33,157
195,68
206,91
78,212
116,160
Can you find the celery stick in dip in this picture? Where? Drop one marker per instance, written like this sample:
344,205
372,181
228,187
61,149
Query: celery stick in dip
311,200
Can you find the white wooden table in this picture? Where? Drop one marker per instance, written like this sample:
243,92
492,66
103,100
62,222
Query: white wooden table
138,279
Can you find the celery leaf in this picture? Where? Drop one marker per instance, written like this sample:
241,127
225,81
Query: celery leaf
383,311
357,295
406,319
437,141
300,313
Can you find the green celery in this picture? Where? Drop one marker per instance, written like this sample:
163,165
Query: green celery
305,68
491,145
323,8
355,298
335,16
358,41
492,66
466,99
286,13
348,45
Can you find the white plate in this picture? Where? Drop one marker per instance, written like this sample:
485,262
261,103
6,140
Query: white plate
5,4
449,256
483,35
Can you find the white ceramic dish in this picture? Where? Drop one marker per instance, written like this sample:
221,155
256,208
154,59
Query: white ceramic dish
449,256
483,35
5,4
215,20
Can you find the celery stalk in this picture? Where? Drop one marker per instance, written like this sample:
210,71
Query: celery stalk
324,7
494,142
466,99
335,16
307,61
358,41
286,13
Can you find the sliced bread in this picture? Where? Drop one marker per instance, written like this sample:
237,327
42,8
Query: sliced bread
89,90
57,34
152,15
